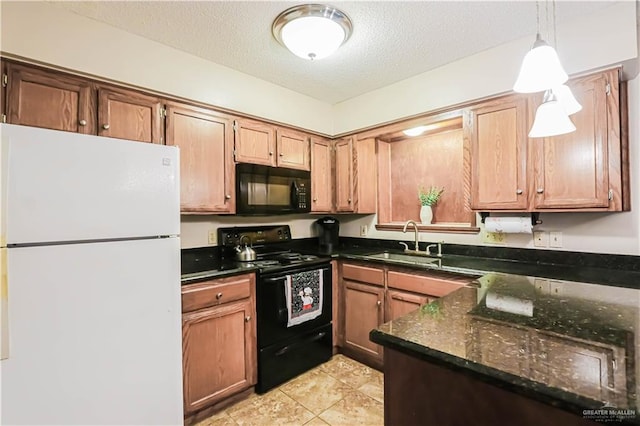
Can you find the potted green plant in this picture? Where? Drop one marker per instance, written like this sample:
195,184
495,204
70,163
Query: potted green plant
428,198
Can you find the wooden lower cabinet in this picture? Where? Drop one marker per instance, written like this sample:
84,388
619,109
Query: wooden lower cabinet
363,311
218,342
400,303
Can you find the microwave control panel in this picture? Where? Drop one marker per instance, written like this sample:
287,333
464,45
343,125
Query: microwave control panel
302,196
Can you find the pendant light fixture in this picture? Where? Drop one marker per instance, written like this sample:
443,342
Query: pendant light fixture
312,31
551,118
541,70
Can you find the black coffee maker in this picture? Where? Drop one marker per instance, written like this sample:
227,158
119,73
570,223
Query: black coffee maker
328,231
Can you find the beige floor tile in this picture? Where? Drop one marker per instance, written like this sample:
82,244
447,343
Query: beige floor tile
375,387
219,419
272,408
316,421
316,390
348,371
355,409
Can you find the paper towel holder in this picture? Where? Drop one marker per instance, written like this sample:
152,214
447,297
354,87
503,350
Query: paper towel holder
535,217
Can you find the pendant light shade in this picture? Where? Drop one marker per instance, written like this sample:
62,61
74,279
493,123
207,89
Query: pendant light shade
551,118
541,69
566,99
312,31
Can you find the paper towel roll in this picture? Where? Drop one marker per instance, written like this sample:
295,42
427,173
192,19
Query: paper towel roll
510,304
509,225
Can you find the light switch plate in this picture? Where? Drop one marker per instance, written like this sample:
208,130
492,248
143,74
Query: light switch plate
494,237
213,237
555,239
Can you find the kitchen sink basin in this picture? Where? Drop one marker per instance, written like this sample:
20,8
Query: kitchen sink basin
405,258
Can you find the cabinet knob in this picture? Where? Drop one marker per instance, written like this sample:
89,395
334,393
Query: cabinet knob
83,122
247,318
315,199
219,296
270,152
379,303
281,154
349,201
540,190
227,197
518,191
105,126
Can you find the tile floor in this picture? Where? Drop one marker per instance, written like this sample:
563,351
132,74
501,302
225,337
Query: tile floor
339,392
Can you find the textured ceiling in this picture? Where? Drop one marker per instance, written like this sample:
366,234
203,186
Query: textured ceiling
391,41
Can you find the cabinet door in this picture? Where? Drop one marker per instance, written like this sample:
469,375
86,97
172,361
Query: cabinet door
498,135
500,346
344,175
400,303
363,311
219,353
321,176
572,170
207,172
129,115
255,143
50,100
293,149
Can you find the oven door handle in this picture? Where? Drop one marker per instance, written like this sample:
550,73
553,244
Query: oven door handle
298,344
276,279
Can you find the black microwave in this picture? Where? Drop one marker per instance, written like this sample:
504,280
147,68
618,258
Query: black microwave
262,190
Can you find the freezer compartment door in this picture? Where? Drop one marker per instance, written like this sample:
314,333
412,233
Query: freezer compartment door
95,334
63,186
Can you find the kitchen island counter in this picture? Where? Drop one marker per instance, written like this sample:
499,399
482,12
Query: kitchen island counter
554,349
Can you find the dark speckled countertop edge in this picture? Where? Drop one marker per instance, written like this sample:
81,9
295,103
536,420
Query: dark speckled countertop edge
566,401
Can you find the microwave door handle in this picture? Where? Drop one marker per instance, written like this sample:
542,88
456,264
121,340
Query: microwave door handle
294,194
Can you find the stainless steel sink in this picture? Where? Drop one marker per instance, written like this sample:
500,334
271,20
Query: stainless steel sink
405,258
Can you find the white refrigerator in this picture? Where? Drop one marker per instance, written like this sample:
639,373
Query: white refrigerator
90,280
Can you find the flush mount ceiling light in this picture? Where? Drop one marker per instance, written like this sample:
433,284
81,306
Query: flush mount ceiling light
312,31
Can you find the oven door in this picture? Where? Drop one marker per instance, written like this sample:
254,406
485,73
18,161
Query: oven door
272,311
269,190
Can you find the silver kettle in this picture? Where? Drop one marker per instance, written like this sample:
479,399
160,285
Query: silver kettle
246,253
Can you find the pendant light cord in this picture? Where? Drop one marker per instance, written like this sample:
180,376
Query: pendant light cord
555,42
538,17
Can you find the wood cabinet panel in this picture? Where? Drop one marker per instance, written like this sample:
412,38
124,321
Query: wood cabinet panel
255,143
344,175
129,115
321,176
428,285
49,100
215,292
365,176
363,312
207,172
363,274
217,360
498,134
293,149
571,170
399,303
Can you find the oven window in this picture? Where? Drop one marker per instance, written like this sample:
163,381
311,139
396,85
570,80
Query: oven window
262,193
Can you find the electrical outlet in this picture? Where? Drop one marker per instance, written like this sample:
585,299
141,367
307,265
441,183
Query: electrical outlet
540,239
541,285
555,239
494,237
363,230
556,287
213,237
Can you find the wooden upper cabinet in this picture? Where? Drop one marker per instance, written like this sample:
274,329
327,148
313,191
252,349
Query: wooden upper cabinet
48,99
321,175
344,175
293,149
126,114
255,143
207,172
497,131
572,170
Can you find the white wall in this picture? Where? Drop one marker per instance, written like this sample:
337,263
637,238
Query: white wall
55,36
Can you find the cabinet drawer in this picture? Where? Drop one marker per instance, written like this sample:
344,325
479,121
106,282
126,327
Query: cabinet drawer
363,274
215,292
433,286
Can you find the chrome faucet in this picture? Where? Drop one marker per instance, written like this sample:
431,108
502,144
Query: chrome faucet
415,227
438,245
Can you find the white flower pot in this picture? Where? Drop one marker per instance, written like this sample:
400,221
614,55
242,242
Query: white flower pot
426,215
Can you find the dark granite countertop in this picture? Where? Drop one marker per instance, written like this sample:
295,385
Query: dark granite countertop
570,344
